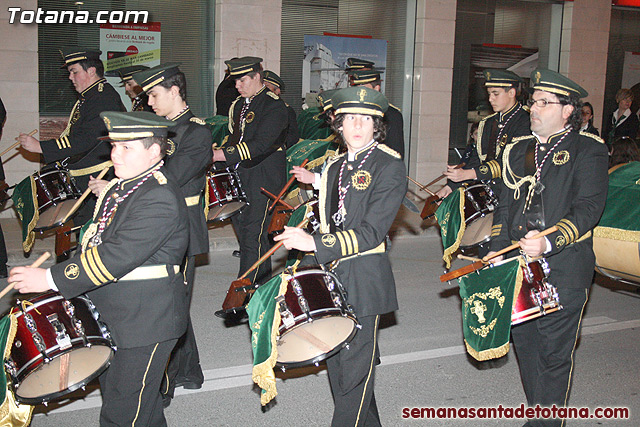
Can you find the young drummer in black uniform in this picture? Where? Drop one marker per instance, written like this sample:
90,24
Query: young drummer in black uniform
129,267
509,120
360,194
275,84
80,139
188,162
133,89
395,124
258,124
556,176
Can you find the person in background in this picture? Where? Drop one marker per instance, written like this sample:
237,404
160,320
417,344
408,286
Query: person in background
624,150
621,122
131,87
275,84
587,120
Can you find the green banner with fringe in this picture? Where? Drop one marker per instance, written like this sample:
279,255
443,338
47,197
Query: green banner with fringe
450,217
25,200
264,321
311,125
487,301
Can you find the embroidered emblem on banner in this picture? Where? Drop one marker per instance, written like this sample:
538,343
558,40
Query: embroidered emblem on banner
560,241
361,180
329,240
72,271
561,157
250,116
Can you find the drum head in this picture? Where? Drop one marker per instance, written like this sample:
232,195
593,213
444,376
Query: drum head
477,231
313,342
46,382
52,217
220,213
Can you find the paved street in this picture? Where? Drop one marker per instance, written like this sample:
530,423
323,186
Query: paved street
423,358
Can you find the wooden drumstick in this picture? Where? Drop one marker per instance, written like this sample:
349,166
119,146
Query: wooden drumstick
240,287
461,165
422,187
33,132
273,196
37,263
515,245
480,264
77,204
287,185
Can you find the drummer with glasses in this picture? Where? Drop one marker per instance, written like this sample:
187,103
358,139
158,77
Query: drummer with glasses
129,267
360,194
557,176
79,142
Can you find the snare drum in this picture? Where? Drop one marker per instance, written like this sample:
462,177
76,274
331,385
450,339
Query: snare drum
226,196
60,345
480,202
57,192
315,319
537,296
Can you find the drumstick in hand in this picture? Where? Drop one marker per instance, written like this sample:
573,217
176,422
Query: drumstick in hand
422,187
33,132
77,204
38,263
516,245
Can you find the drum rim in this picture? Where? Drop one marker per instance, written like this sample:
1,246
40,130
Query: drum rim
45,398
229,215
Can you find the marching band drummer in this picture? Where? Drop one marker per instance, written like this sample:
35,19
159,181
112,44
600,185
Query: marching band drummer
129,267
556,176
138,97
80,138
509,120
360,194
258,122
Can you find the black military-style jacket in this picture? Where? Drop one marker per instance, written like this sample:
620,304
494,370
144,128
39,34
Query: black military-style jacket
80,139
132,276
575,188
190,159
261,153
293,133
508,125
371,203
395,131
140,103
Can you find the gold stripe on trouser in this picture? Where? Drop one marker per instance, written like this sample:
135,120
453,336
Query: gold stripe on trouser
264,218
144,379
371,365
566,396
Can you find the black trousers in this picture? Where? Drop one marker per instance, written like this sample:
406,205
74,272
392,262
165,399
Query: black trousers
251,228
131,386
352,375
545,348
3,254
184,362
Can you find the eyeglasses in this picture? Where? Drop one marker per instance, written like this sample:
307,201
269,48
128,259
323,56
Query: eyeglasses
540,103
